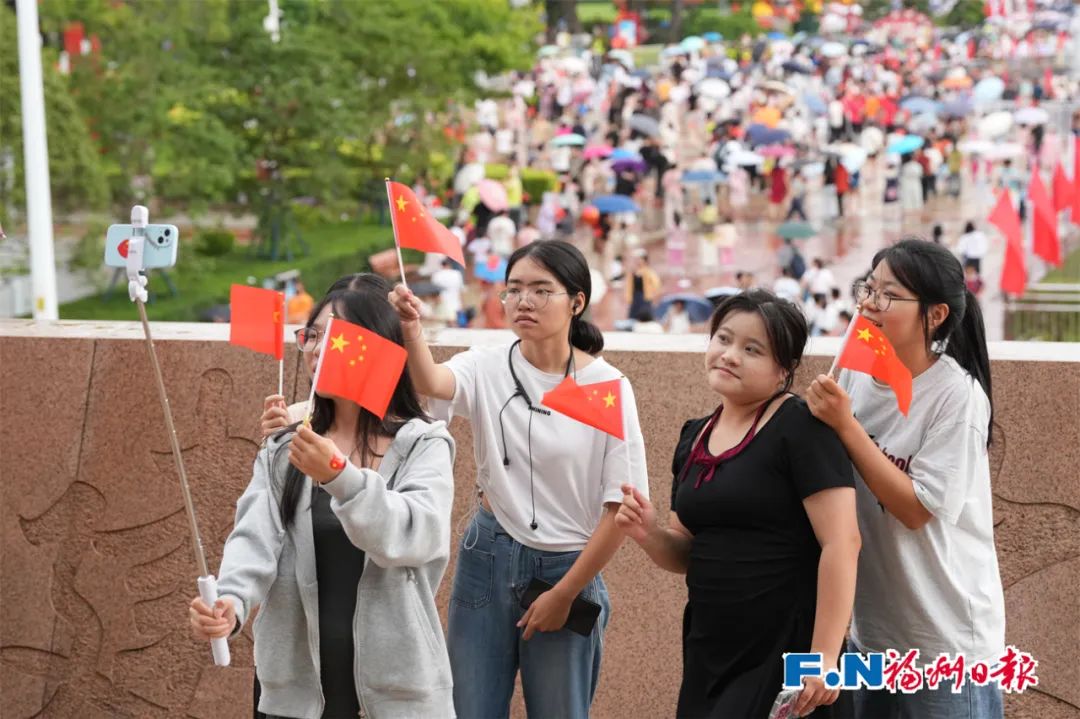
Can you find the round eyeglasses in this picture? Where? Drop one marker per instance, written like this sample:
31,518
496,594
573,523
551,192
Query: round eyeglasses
537,298
882,300
307,338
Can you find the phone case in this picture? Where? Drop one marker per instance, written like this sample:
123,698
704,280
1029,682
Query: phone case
583,612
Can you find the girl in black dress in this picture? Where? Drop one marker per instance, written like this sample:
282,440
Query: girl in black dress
762,523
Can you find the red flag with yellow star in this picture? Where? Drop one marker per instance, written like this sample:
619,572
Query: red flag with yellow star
867,350
357,364
257,319
414,227
597,405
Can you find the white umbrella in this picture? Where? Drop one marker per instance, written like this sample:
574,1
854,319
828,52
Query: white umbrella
872,139
833,49
745,158
923,123
995,125
574,65
776,86
1031,116
1005,151
468,176
975,147
713,87
814,169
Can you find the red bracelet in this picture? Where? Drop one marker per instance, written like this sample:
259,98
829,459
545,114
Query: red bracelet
337,462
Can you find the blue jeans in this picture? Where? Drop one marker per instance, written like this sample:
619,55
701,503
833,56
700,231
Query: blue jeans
972,702
559,670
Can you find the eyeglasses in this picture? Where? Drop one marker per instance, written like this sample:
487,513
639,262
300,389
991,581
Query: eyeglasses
307,338
882,300
538,297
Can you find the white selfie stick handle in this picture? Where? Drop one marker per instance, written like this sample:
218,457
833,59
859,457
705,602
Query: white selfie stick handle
208,592
134,263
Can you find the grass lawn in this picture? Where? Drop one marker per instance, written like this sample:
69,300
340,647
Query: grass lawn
202,282
1068,272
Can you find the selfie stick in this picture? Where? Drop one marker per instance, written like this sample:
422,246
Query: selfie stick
137,293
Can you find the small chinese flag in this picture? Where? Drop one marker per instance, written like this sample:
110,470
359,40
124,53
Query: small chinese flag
415,228
357,364
597,405
1063,189
257,319
867,350
1044,221
1014,270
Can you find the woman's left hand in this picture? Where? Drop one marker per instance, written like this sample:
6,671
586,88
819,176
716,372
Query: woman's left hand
315,456
547,614
829,402
813,695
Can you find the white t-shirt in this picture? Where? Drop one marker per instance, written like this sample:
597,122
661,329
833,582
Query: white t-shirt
450,282
973,244
501,231
822,282
936,589
788,288
576,468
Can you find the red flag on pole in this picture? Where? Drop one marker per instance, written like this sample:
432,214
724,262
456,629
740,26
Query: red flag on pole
357,364
1076,182
867,350
1063,190
257,319
597,405
1013,272
415,228
1044,221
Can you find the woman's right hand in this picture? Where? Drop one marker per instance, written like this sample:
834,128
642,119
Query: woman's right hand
636,516
207,623
275,415
408,308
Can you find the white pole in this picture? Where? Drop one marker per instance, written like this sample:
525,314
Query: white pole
36,162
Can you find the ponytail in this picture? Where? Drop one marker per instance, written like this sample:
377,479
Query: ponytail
586,336
967,345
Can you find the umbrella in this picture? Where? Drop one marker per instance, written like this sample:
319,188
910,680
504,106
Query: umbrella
923,123
608,204
704,177
693,43
905,145
803,68
758,134
712,37
777,151
872,139
673,51
745,158
699,308
1004,151
814,103
918,105
775,86
574,65
468,176
594,151
975,147
637,165
716,294
776,35
624,154
768,116
989,89
548,51
645,125
812,169
1031,116
833,49
493,194
570,138
428,289
995,125
956,108
622,56
713,87
494,270
796,230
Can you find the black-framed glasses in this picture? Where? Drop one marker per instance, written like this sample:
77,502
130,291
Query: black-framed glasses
882,300
307,338
538,297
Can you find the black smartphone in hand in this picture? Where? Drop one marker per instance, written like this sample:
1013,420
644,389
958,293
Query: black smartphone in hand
583,612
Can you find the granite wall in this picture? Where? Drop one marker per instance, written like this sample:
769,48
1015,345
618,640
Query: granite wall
96,566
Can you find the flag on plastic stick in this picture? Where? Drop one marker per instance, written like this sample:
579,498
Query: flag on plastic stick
357,364
257,319
867,350
415,228
598,405
1013,271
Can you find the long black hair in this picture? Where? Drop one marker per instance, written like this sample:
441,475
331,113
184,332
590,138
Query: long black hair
572,272
934,275
361,299
784,323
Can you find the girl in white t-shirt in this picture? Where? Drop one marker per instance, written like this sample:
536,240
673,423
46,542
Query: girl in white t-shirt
550,487
928,572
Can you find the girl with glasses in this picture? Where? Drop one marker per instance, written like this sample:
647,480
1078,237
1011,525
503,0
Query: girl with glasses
762,523
341,539
928,572
549,487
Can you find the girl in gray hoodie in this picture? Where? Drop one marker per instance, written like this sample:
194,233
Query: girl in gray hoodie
341,539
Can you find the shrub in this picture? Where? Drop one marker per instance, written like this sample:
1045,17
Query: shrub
214,243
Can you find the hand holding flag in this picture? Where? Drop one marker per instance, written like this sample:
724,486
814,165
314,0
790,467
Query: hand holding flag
867,350
415,228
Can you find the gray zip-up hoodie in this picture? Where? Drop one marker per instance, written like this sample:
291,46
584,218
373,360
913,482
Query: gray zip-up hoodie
400,517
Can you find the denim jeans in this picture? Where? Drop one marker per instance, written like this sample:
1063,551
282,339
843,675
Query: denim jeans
972,702
559,670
